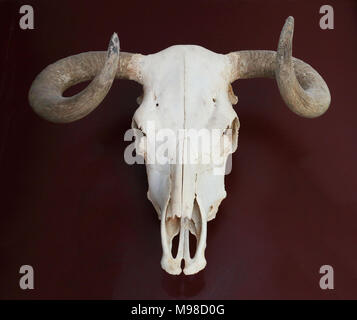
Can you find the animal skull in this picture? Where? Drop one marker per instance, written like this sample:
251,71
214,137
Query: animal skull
185,87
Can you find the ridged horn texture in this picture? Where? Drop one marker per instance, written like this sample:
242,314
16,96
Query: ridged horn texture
301,87
46,93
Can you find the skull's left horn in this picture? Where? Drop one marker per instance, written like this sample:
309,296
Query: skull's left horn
301,87
46,93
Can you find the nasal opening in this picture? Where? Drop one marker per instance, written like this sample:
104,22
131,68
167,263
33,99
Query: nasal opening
184,242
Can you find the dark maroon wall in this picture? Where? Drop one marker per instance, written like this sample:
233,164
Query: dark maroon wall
73,209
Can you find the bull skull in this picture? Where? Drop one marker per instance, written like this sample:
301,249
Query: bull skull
185,87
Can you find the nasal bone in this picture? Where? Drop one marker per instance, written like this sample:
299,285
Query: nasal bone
182,191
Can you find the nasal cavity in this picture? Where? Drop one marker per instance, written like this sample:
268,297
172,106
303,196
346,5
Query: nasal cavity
175,244
193,245
182,264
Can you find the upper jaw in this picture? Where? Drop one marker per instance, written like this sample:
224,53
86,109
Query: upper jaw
170,227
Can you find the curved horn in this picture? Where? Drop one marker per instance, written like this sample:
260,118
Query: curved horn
301,87
46,93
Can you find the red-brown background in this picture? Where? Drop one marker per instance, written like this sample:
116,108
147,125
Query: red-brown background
74,210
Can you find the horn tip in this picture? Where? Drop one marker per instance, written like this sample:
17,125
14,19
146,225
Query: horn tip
290,19
289,23
115,37
114,45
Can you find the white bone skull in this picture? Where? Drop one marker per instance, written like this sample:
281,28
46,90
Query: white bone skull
185,88
185,195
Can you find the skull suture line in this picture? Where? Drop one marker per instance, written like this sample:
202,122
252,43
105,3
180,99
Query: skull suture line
185,87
